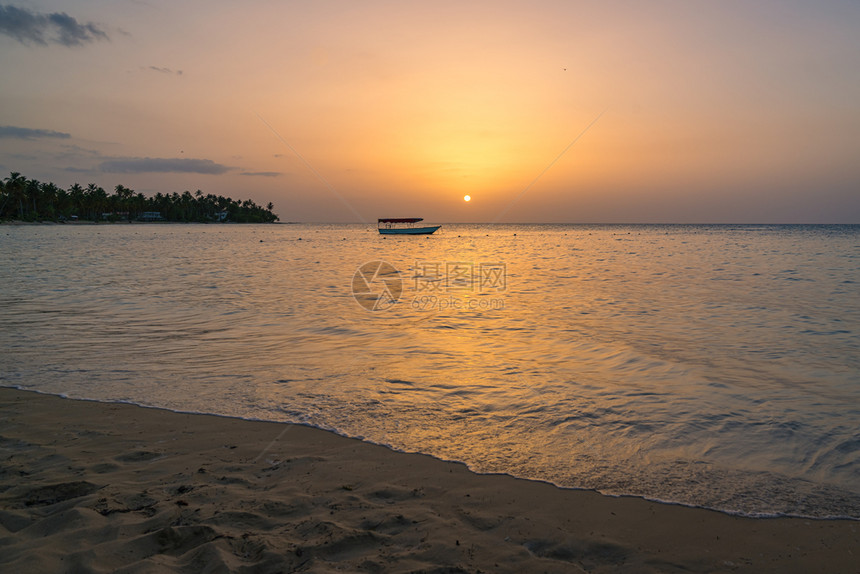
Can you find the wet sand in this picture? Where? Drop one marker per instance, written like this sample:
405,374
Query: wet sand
100,487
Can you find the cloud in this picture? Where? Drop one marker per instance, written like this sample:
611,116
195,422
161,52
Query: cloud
163,165
74,151
53,28
262,173
78,170
14,132
164,70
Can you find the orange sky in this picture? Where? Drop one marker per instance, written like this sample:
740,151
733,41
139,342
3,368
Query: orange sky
729,111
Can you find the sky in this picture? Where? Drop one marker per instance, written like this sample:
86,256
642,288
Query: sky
541,111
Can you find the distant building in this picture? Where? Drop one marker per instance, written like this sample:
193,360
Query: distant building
151,216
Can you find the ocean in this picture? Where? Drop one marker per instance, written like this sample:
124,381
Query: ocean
715,366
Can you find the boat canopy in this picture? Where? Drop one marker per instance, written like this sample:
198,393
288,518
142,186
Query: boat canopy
401,220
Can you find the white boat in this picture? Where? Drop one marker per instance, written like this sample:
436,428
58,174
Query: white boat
404,226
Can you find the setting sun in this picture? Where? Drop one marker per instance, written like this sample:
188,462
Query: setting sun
384,108
467,198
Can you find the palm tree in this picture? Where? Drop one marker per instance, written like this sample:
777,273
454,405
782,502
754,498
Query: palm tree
16,191
64,202
4,195
95,199
50,194
122,198
139,203
76,195
32,192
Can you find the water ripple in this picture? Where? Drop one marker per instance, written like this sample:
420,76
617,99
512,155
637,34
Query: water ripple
708,365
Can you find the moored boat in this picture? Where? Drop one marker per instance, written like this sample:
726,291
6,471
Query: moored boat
404,226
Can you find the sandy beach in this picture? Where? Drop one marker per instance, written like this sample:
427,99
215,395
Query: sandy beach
97,487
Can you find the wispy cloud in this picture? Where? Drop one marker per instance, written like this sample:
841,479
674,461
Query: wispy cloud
163,165
78,170
161,70
13,132
262,173
47,28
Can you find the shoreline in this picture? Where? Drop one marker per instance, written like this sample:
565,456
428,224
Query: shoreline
135,222
655,500
106,486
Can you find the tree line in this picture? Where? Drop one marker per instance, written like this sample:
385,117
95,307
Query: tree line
31,200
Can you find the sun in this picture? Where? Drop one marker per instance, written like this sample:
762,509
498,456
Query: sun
467,198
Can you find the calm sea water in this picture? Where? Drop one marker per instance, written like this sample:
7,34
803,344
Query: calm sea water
715,366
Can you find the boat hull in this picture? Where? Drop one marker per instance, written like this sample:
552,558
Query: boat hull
410,230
